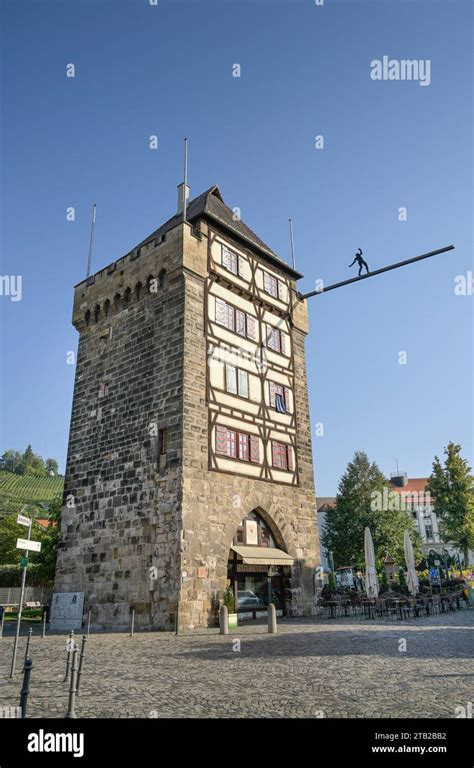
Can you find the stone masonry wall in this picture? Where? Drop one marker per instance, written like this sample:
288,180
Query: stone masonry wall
122,503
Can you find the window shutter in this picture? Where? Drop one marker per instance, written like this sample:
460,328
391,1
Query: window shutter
254,449
275,462
220,312
289,454
224,256
241,264
243,383
221,440
240,322
282,342
272,393
287,398
231,379
251,327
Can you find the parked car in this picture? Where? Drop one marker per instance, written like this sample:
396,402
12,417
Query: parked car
248,599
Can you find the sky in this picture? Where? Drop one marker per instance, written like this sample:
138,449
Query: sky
390,358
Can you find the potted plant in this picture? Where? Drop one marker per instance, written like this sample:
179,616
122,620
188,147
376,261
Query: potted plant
229,603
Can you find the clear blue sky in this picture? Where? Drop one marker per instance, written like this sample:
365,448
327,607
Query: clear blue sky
167,70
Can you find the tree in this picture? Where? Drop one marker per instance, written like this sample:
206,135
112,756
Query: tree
49,542
32,464
10,531
51,466
355,509
11,462
452,489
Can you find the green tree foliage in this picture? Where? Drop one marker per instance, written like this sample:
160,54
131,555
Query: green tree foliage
355,509
51,467
452,489
27,463
44,561
11,462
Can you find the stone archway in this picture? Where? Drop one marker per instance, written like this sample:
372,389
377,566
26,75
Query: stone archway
258,566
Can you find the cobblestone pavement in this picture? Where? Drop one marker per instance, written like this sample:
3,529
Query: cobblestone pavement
309,669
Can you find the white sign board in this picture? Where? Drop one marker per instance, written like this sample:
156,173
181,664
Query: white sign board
66,610
22,520
251,530
35,546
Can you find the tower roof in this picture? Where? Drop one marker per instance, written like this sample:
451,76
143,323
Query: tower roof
210,204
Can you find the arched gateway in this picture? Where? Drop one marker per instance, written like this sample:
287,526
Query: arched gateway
259,568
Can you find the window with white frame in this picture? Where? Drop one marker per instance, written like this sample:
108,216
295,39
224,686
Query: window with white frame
236,381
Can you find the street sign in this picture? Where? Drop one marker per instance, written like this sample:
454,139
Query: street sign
35,546
24,562
22,520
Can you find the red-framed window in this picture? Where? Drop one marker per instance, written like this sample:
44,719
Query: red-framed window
282,456
237,445
279,397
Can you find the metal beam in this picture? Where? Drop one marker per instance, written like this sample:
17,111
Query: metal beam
377,272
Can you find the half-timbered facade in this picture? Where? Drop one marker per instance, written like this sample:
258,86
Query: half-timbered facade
189,461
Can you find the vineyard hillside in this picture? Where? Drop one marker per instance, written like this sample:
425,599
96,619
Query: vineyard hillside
18,490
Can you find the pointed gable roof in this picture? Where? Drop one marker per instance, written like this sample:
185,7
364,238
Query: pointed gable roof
210,205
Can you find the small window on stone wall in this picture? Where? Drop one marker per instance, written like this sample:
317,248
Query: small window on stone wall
106,307
87,317
162,440
104,389
163,278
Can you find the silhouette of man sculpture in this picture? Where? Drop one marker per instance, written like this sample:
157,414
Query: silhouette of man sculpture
360,261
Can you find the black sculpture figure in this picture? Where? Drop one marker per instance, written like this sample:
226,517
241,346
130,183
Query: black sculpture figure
360,261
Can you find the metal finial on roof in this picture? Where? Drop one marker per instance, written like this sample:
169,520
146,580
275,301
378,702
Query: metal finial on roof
89,259
292,242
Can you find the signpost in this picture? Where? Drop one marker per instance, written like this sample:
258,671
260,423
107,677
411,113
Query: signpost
26,544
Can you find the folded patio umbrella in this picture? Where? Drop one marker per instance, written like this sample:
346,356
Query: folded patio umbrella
412,576
371,583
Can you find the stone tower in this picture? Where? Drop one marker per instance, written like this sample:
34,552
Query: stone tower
189,465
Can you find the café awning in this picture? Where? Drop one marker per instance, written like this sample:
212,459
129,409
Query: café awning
263,555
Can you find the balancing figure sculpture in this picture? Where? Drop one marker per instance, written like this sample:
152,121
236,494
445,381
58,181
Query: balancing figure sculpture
360,261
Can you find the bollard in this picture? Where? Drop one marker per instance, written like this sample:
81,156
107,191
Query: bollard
26,686
2,623
88,624
272,620
71,712
30,632
70,648
43,631
224,620
132,628
81,663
